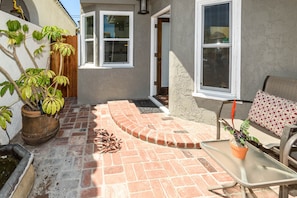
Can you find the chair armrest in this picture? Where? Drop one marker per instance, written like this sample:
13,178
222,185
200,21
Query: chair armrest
288,139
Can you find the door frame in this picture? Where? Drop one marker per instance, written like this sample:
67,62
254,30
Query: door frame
160,90
154,45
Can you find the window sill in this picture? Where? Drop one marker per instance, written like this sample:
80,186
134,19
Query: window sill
104,67
117,67
215,96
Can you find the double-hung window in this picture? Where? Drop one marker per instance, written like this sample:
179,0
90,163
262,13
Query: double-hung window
88,38
116,39
217,55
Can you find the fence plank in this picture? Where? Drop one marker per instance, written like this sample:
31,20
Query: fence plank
70,68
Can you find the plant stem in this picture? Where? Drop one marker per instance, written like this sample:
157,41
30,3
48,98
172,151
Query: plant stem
9,78
61,64
6,52
30,55
59,72
7,136
17,60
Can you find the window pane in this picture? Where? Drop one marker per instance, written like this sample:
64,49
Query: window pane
116,26
216,24
216,67
116,51
89,52
89,27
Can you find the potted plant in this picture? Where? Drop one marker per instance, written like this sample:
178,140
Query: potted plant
37,87
240,137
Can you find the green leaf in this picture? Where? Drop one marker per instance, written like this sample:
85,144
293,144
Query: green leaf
26,92
19,38
2,123
39,50
6,86
5,116
25,28
64,49
52,32
13,25
49,73
242,141
54,108
11,88
245,126
254,139
37,35
61,80
3,91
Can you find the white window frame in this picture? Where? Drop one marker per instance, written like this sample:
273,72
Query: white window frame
84,39
129,63
235,59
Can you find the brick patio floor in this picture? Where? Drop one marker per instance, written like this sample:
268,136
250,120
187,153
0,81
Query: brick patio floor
154,161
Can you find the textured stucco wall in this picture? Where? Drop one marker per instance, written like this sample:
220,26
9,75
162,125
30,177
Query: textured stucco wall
50,12
10,65
181,83
157,5
268,42
98,85
268,48
44,12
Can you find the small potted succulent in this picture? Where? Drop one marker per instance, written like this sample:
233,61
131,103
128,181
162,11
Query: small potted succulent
240,137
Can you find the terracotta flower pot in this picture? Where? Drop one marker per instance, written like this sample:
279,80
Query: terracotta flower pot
238,151
38,128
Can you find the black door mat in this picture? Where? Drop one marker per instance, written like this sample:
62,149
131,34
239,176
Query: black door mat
146,106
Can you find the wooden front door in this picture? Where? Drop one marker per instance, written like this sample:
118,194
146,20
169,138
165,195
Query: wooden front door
163,45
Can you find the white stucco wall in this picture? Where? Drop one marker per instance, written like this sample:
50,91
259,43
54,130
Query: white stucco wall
44,12
50,12
10,65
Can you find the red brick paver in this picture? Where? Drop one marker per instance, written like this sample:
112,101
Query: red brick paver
157,128
70,166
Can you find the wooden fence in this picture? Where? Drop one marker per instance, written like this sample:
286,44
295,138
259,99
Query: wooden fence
70,68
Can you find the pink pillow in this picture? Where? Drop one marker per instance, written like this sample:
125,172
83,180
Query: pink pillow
273,112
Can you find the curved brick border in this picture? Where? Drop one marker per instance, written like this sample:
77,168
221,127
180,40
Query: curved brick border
125,115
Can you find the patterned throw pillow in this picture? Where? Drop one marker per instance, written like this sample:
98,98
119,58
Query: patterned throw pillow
273,112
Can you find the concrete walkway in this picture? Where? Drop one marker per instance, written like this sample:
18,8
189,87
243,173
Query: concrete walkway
153,160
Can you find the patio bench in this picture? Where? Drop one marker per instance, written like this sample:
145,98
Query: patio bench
272,115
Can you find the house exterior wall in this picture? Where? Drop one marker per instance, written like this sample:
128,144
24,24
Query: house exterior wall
56,15
8,64
44,12
181,72
98,85
156,6
268,38
268,41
